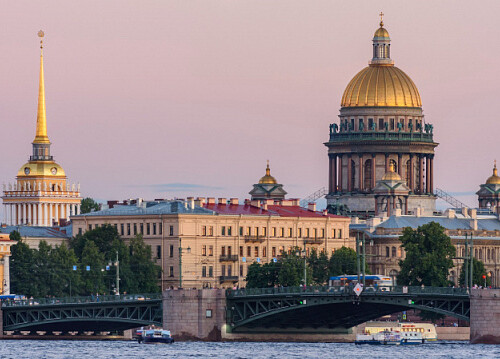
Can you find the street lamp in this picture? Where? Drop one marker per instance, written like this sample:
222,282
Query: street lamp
298,253
188,249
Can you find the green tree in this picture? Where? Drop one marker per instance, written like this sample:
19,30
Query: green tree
92,279
429,254
263,275
319,266
105,237
88,204
478,271
291,271
67,280
145,273
21,267
343,261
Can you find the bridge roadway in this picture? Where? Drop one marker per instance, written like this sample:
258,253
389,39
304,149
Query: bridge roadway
331,308
96,313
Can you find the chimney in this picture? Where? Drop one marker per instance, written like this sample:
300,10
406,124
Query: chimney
222,201
473,224
255,203
264,205
397,212
111,204
270,202
465,211
200,201
311,206
418,212
473,213
450,213
325,212
247,202
234,201
138,202
295,202
190,201
210,200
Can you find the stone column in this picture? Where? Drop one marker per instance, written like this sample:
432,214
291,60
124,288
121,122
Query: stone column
427,174
40,216
349,174
341,188
67,211
25,213
374,170
361,169
50,214
5,206
389,206
18,221
29,208
386,162
431,176
331,173
400,168
412,175
421,173
335,184
6,274
56,212
484,314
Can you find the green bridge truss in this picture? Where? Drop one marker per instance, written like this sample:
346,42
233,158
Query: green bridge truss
103,313
331,308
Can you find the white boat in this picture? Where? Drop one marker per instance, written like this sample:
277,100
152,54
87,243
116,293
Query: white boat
385,337
428,330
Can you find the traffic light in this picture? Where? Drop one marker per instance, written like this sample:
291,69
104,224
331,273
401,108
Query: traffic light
484,276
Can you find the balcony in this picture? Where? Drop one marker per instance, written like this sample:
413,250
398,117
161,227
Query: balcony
381,136
254,239
228,258
228,278
314,240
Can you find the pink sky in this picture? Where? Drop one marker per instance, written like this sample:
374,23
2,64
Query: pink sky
158,99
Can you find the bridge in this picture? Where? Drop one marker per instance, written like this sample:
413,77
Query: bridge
96,313
333,308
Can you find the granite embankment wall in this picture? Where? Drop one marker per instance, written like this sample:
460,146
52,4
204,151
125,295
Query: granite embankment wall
485,316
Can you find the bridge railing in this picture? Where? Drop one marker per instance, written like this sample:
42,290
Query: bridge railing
80,300
345,290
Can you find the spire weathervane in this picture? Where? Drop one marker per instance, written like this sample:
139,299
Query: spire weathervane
381,19
41,34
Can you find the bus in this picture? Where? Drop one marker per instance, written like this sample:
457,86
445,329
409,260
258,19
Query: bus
372,281
14,297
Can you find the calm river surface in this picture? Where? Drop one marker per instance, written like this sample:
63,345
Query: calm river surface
128,349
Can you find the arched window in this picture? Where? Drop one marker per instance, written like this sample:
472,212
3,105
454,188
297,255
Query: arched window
353,174
393,252
408,173
480,254
368,175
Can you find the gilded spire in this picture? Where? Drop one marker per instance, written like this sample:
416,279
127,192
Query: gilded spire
268,179
495,172
41,118
268,170
381,19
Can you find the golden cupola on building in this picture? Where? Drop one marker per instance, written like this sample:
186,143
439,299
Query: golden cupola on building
381,126
41,195
489,193
267,188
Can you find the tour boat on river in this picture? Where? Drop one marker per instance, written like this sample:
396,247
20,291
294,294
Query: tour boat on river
154,336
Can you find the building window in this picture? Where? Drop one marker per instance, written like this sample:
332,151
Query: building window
257,231
299,232
229,231
135,229
264,252
339,233
264,231
229,270
256,252
210,251
208,313
223,231
122,229
273,251
148,228
90,227
368,175
273,232
211,231
392,124
204,271
361,124
154,228
171,230
116,227
315,233
171,250
223,270
171,271
322,233
380,123
210,271
307,232
282,232
241,251
393,251
387,252
80,231
333,232
142,228
229,251
249,231
241,270
290,232
160,228
370,123
249,251
241,231
204,231
158,252
223,251
97,226
204,250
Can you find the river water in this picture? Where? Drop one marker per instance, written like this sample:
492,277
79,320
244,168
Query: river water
128,349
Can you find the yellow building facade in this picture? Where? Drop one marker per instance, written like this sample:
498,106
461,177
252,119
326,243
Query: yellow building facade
41,194
5,244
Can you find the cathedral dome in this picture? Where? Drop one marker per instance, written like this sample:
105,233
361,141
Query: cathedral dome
268,179
381,85
494,179
41,168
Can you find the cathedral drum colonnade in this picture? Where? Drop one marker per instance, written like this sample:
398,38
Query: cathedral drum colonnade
41,195
381,126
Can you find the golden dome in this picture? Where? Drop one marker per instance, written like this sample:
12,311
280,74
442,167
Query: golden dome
391,175
41,168
381,32
268,179
494,179
381,85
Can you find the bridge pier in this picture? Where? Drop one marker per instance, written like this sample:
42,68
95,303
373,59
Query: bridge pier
485,316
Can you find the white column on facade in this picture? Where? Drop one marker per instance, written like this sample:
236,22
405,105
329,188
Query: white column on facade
5,206
66,206
18,220
49,215
56,212
45,214
25,213
77,209
29,209
39,215
9,220
6,275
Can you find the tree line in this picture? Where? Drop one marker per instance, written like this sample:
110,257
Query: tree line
87,265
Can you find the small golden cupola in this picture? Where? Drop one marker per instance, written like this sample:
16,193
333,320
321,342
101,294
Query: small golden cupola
494,179
268,179
391,175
